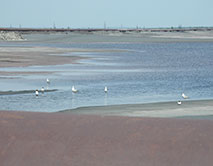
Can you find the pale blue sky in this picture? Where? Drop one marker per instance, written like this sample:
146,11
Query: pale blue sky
93,13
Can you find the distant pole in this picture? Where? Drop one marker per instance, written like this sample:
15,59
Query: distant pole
104,25
54,27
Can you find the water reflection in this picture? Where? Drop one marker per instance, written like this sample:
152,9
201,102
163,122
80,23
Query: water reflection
106,99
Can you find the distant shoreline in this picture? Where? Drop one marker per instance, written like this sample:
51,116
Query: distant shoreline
171,29
106,35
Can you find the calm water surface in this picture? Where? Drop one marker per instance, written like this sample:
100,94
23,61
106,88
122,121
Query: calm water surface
141,73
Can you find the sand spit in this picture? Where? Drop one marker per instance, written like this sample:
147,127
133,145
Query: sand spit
162,109
24,92
41,56
32,56
185,35
54,139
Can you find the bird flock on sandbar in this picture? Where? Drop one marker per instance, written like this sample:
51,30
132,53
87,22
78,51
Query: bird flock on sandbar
74,90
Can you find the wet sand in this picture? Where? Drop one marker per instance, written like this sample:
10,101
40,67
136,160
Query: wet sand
190,108
65,139
32,56
39,56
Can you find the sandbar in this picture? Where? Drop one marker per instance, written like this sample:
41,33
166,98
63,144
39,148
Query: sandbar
188,108
34,56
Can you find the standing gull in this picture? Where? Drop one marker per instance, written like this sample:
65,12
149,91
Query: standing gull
36,92
48,81
184,96
179,102
105,89
74,90
42,89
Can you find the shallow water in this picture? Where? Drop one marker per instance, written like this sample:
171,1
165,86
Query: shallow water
141,73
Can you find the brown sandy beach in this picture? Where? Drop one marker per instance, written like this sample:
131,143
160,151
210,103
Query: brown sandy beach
64,139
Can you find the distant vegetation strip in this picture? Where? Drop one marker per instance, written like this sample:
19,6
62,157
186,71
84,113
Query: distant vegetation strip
178,29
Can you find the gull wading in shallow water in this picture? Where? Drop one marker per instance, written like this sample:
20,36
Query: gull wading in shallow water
36,92
179,102
74,90
105,89
48,81
184,96
42,89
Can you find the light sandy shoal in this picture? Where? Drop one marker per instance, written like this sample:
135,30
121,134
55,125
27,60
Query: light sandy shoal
64,139
40,56
185,35
162,109
32,56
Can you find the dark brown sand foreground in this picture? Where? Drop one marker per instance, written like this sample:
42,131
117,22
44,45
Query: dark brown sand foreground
63,139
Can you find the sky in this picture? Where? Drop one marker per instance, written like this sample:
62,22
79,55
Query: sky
112,13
